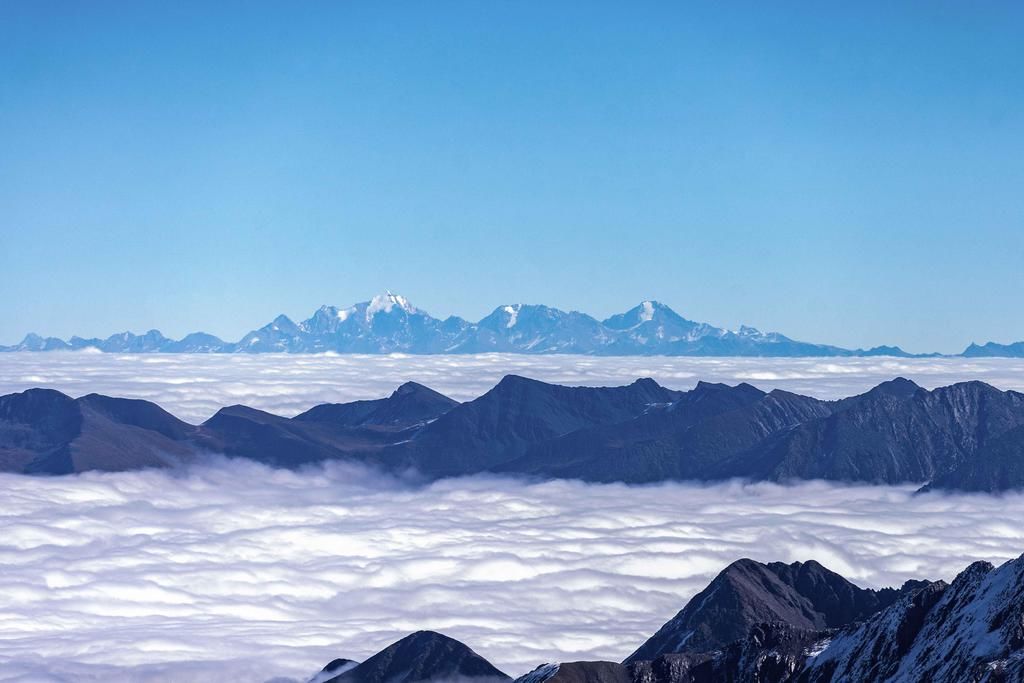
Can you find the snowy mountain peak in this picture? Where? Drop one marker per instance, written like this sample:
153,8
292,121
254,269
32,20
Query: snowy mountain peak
513,315
389,323
387,302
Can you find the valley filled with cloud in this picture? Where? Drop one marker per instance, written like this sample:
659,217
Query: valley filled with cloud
229,570
233,571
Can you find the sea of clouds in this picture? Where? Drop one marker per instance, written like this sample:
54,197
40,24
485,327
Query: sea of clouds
233,571
229,570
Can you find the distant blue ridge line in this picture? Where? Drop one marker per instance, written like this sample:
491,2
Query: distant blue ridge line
389,323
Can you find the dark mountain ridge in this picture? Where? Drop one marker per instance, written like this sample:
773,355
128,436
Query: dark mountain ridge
804,595
967,436
422,656
411,404
501,425
782,623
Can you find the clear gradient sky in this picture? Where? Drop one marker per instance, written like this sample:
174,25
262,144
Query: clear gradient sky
849,173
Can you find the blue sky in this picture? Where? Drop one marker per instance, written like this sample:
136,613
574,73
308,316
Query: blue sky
850,173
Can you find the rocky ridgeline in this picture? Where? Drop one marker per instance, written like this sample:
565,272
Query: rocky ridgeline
777,623
968,436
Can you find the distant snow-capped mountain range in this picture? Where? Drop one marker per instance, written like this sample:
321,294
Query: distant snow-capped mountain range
389,323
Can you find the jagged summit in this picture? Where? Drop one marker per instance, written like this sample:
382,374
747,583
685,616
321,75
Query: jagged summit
390,323
645,312
388,301
898,388
994,350
746,593
778,623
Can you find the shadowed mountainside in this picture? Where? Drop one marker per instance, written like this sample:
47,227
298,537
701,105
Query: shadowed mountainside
967,436
422,656
780,623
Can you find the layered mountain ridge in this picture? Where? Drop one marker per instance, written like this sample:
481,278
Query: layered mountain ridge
966,436
777,623
389,323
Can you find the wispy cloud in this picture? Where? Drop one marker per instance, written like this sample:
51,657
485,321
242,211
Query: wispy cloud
232,571
193,387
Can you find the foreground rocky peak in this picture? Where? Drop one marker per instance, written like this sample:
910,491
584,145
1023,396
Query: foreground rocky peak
968,631
804,595
422,656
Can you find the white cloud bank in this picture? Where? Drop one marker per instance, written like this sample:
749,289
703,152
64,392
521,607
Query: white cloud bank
237,572
194,386
232,571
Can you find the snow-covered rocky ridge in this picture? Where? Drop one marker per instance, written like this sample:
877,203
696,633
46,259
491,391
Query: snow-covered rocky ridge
796,623
389,323
967,631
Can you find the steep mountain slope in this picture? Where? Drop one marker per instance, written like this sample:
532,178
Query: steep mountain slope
423,656
45,432
897,432
997,466
768,653
686,439
969,631
803,595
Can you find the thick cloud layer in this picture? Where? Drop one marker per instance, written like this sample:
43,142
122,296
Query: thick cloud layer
232,571
193,387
